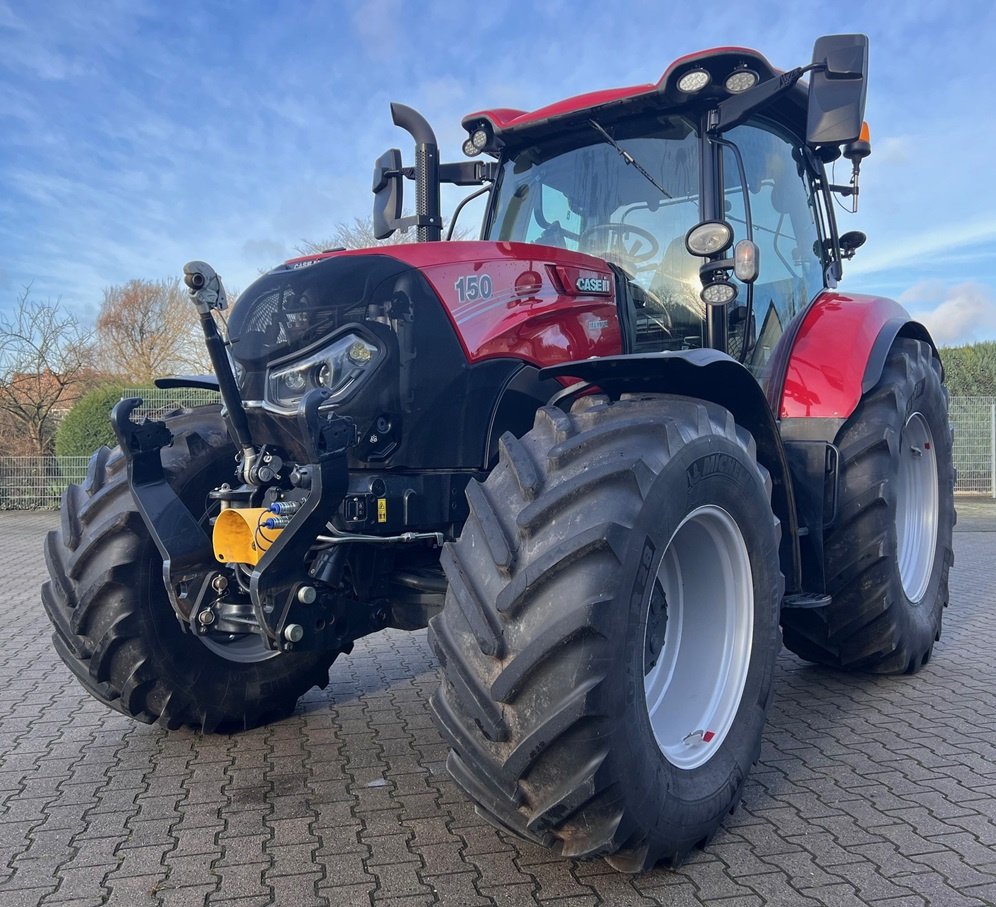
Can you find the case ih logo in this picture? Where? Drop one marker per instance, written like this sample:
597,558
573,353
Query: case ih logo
593,285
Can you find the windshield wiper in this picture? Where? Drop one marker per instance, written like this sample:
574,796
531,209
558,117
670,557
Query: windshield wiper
629,159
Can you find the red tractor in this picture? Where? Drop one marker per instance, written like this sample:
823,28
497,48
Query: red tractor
611,455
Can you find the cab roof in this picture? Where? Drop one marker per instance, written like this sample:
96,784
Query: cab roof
510,125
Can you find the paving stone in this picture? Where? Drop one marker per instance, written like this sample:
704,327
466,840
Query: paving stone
456,889
242,881
135,891
348,895
189,896
396,880
298,890
869,791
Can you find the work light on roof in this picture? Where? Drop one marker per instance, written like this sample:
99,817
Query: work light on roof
480,138
739,81
470,149
694,80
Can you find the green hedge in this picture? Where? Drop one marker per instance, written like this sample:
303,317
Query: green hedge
87,425
970,371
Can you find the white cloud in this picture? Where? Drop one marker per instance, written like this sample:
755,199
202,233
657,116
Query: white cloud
919,248
895,150
377,26
264,252
954,314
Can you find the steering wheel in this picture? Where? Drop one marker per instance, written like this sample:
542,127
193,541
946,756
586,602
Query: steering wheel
615,244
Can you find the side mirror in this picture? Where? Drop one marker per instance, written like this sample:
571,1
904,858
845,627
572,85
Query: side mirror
846,61
837,89
388,192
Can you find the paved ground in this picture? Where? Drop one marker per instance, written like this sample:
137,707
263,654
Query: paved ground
869,791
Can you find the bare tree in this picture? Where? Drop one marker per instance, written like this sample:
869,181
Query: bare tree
360,235
357,235
148,328
45,365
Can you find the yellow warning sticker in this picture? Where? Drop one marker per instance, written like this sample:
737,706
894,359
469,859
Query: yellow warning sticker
381,510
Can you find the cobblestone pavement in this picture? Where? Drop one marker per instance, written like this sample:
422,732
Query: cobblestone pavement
869,790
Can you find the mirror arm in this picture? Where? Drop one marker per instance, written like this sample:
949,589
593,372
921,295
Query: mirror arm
468,173
735,110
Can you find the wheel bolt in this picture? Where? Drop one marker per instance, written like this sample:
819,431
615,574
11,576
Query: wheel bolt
293,632
306,595
206,617
219,584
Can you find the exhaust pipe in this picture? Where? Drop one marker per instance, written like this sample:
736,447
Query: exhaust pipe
428,220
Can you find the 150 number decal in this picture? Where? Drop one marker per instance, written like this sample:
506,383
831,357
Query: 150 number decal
473,286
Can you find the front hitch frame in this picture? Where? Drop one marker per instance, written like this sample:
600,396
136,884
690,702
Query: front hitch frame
179,536
187,551
280,573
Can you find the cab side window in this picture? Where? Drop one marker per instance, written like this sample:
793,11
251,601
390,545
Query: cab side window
785,220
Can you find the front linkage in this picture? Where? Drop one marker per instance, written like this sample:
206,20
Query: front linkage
275,601
281,602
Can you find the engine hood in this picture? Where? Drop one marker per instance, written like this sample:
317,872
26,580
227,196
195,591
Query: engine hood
538,303
299,303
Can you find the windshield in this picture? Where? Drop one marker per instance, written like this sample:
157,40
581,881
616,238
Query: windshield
589,199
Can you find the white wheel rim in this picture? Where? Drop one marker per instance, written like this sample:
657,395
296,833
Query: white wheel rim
916,507
694,676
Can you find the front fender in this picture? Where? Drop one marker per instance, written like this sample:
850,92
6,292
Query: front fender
708,375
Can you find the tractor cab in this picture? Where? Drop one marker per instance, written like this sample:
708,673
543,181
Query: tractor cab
550,195
724,148
587,198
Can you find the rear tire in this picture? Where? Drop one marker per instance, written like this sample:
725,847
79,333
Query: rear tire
114,625
888,554
561,622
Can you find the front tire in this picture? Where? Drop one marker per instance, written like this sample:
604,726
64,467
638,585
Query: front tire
889,551
610,630
114,625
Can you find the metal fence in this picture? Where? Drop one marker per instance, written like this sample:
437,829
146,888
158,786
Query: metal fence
974,423
36,483
156,402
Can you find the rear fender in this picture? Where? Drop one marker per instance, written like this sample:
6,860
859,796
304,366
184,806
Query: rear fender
713,376
838,355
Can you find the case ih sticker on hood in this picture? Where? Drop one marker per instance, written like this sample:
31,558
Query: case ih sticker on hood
597,285
575,281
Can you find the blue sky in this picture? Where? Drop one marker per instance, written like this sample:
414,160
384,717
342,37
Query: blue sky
138,135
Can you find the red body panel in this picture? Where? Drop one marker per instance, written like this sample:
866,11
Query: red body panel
533,312
503,119
828,360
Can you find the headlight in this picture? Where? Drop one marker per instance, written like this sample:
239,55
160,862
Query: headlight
338,367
